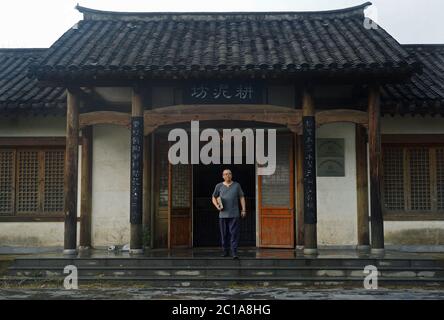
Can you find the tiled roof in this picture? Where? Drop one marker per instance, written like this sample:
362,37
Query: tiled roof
18,92
168,45
424,92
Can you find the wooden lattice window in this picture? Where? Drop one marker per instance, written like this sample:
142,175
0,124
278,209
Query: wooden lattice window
31,182
7,169
275,187
181,186
163,174
440,177
413,180
53,182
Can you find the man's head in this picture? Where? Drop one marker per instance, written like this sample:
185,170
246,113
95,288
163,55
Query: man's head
227,175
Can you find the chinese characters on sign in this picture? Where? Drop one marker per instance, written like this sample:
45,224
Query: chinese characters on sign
216,93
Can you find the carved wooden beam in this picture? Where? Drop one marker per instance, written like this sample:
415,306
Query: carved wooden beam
342,115
105,117
257,113
291,118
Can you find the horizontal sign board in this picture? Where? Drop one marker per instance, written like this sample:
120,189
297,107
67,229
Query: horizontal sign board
223,93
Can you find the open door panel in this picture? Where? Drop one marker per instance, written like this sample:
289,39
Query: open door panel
276,199
179,205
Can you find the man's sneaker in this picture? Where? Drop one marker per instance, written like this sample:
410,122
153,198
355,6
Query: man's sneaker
225,254
235,257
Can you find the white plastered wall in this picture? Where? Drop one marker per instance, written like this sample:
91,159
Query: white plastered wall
413,232
337,211
336,196
32,234
110,192
111,186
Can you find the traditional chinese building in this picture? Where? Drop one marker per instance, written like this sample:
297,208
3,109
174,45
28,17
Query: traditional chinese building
358,116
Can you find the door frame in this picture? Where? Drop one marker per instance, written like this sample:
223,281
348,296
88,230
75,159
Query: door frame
292,203
170,207
258,197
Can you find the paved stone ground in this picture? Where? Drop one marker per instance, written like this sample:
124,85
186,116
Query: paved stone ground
220,294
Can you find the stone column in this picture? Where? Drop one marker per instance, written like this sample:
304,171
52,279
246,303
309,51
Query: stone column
71,172
309,172
374,133
136,196
86,189
362,188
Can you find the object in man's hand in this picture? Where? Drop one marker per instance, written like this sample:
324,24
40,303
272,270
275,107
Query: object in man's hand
219,203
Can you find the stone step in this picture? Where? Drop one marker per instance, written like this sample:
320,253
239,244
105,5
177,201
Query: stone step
169,262
214,281
193,272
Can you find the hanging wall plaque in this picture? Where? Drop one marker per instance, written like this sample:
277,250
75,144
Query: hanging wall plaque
330,158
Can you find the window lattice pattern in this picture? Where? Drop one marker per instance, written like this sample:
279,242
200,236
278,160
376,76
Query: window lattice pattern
54,178
181,186
276,187
440,177
31,181
28,182
420,179
6,181
393,178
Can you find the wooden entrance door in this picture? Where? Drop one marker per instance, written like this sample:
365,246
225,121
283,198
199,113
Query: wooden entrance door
179,205
276,199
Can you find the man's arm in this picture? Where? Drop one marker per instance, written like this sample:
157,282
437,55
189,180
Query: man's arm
216,194
214,200
243,206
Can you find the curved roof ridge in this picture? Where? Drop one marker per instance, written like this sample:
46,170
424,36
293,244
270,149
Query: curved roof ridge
95,14
21,50
414,46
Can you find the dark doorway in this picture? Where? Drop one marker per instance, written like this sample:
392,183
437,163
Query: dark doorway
206,217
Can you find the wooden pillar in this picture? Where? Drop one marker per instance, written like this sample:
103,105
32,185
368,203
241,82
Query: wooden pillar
309,170
136,196
299,191
86,189
146,221
362,188
71,172
374,137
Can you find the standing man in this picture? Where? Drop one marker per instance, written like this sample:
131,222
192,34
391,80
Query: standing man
226,197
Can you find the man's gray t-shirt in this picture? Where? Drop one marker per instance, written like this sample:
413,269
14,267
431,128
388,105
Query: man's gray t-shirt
230,196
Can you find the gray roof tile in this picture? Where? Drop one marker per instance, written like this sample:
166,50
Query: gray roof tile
161,44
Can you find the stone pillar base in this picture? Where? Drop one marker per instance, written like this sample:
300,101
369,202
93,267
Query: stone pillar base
70,252
378,251
365,248
136,251
310,251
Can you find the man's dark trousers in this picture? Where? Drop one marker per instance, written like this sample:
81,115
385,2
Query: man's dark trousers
230,227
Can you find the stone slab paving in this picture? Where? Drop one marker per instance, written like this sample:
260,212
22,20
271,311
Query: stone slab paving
220,294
